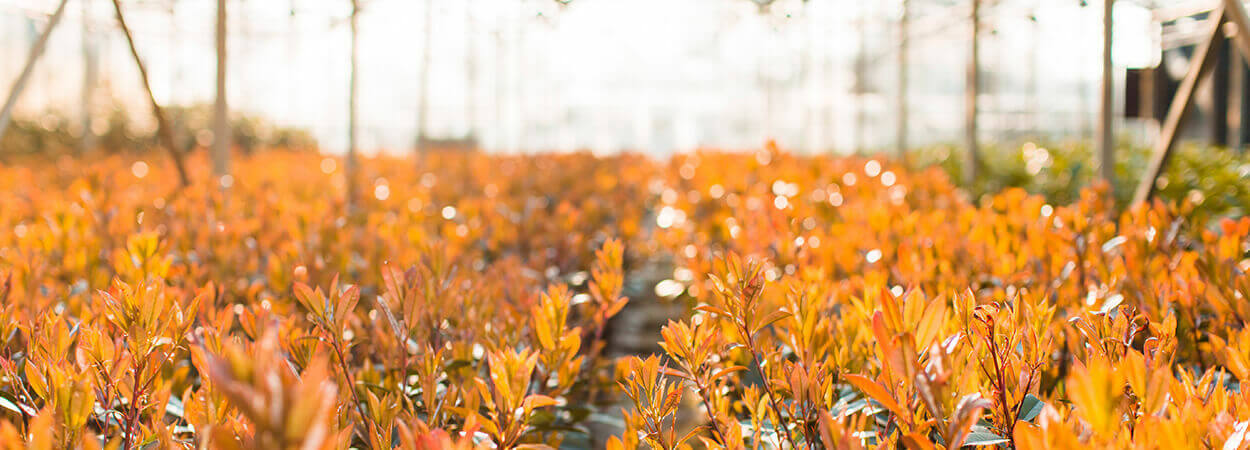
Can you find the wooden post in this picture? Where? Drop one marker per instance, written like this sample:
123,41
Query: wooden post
1203,60
1239,32
901,138
6,114
221,119
1106,135
1235,13
164,132
972,160
1240,35
350,166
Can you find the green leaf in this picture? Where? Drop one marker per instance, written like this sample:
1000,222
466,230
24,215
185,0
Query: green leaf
1030,407
13,406
1111,303
578,414
543,419
174,407
982,436
457,363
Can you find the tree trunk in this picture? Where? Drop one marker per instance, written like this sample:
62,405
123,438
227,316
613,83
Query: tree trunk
221,119
972,159
6,114
1106,136
350,166
89,68
164,132
901,138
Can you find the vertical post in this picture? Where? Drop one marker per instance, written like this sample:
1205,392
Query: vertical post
767,87
760,62
831,87
292,50
221,124
6,114
501,65
1149,103
1239,31
1236,98
903,44
470,69
350,166
1106,136
89,67
423,91
1240,35
972,159
1220,94
804,84
520,72
163,129
1034,78
861,81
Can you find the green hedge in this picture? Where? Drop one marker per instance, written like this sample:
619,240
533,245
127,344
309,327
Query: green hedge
1214,181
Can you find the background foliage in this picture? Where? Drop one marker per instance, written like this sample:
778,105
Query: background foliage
822,302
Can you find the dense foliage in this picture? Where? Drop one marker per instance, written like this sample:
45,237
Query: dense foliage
1214,181
56,134
470,300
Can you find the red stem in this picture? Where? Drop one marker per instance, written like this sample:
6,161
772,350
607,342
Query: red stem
772,397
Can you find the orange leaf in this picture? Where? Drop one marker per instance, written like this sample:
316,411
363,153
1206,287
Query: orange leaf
770,319
876,392
917,441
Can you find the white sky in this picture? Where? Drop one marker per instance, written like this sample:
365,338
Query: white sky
659,75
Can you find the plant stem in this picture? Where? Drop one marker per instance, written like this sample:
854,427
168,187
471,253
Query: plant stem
132,413
711,414
1009,422
351,386
772,397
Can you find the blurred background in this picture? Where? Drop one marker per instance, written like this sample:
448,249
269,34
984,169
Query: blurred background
607,75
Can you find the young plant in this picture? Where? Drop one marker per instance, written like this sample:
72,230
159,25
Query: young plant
739,288
283,409
697,351
656,403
